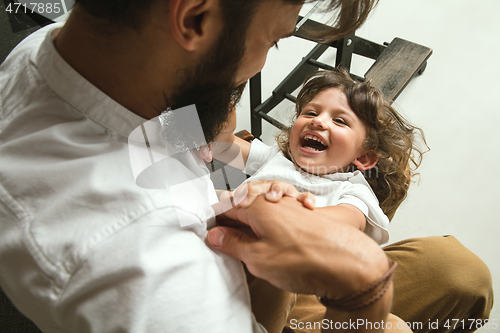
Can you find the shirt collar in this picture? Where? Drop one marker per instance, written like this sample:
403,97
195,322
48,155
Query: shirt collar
80,93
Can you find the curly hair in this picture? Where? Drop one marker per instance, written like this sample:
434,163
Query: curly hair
391,136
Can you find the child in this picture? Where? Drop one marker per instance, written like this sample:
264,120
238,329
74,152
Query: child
343,132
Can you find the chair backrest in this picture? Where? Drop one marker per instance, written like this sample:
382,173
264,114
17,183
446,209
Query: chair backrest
395,65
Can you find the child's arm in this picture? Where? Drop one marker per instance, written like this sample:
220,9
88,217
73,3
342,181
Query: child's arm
244,147
231,150
345,213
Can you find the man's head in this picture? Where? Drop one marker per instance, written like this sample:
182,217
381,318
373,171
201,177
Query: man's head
247,30
239,53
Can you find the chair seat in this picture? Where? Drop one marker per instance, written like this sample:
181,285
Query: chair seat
397,65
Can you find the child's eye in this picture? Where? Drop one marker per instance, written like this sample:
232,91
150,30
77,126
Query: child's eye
310,113
339,121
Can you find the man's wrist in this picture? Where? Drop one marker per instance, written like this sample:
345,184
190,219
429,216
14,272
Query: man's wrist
349,265
364,297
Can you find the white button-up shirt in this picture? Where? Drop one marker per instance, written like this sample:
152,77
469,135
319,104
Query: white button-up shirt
82,247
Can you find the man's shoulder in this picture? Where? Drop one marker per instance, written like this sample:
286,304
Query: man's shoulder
19,76
26,50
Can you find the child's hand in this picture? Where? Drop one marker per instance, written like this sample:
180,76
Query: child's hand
206,153
274,190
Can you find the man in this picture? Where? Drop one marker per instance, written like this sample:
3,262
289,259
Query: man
85,249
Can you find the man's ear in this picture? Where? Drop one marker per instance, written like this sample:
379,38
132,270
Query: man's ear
366,160
191,21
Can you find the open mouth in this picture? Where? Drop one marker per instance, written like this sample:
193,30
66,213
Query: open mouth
313,143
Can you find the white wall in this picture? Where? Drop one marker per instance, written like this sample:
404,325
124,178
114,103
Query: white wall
457,103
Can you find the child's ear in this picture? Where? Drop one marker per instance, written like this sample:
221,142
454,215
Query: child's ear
366,160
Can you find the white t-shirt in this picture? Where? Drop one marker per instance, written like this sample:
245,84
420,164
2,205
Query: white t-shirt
82,247
268,162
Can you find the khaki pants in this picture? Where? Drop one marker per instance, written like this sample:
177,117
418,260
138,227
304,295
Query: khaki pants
438,283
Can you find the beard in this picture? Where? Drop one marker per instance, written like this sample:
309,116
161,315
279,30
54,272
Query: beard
210,85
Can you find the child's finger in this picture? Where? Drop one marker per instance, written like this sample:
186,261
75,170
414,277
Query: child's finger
245,194
307,199
225,203
206,153
275,193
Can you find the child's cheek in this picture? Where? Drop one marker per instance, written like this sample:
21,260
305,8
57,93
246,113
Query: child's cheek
294,135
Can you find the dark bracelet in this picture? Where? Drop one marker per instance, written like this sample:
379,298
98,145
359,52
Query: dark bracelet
363,298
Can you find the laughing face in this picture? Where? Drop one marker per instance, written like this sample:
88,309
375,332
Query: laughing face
328,136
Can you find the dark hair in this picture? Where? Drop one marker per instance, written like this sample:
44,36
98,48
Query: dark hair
389,135
348,14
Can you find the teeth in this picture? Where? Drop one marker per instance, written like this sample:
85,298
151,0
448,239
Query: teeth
315,138
311,148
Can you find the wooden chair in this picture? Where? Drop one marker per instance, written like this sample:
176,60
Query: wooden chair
396,63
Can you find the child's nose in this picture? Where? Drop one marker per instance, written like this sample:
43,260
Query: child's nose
317,122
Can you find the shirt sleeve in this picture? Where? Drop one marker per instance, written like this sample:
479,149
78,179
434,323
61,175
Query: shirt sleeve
155,276
259,154
376,221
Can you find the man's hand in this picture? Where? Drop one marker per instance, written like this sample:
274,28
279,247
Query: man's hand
299,250
302,251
